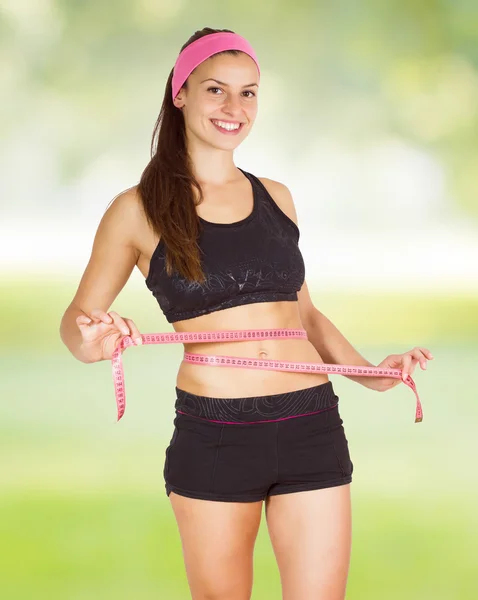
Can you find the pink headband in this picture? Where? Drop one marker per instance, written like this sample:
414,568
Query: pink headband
197,52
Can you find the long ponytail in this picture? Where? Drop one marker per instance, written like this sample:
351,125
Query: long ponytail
167,185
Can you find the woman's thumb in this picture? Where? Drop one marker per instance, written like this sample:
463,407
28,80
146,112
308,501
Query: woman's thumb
82,320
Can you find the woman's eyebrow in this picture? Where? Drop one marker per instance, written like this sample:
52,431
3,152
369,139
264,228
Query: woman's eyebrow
227,85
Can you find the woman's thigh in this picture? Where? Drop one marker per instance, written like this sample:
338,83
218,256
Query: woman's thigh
310,533
218,542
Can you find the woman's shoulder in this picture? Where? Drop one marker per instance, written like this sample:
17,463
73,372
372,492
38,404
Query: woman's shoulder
281,195
127,211
272,184
127,200
127,205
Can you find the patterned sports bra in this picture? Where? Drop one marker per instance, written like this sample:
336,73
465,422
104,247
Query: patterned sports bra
253,260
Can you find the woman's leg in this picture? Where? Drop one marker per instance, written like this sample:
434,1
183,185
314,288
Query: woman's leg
310,533
218,541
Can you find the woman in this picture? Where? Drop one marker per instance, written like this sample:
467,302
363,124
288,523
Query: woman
218,248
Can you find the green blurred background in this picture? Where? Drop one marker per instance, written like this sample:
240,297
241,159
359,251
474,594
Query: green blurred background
369,113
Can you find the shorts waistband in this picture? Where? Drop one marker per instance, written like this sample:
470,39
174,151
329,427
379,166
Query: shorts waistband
257,409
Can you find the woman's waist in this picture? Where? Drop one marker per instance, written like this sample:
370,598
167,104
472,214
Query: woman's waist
271,349
210,380
198,379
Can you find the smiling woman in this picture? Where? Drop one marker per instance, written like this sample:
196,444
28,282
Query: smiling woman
219,246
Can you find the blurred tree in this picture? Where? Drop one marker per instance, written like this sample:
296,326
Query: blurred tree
352,69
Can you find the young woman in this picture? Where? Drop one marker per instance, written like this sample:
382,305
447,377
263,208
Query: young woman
218,248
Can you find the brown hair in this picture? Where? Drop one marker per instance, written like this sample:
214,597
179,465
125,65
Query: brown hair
166,185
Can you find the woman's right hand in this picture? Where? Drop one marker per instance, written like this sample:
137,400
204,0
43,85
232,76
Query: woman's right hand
102,332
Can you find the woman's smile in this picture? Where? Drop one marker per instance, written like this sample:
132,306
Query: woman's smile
227,127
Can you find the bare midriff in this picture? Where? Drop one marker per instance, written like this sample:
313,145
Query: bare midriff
232,382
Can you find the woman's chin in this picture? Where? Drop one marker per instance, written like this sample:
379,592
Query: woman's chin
224,144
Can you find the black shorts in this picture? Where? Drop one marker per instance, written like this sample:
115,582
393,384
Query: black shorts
244,449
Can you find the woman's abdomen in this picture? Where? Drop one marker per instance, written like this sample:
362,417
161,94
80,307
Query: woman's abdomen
228,382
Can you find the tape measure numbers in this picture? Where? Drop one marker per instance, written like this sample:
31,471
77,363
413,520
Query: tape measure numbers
246,363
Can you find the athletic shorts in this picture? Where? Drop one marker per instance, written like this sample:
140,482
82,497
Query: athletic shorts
244,449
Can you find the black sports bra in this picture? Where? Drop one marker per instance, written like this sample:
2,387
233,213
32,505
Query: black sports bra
253,260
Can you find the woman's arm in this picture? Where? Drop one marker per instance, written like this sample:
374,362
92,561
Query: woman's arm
112,260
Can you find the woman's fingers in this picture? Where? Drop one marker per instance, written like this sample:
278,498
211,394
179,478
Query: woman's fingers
82,321
410,360
135,334
421,355
112,318
413,364
406,362
99,315
119,322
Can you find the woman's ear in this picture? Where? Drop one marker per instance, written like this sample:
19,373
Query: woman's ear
179,101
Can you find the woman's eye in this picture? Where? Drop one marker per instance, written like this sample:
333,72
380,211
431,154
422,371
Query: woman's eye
216,89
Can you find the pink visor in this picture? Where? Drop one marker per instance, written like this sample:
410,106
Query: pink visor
203,48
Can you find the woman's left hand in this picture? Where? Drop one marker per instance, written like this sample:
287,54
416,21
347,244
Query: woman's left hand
406,362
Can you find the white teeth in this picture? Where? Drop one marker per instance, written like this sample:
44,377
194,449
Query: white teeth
228,126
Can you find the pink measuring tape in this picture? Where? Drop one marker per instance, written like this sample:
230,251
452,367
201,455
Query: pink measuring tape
248,363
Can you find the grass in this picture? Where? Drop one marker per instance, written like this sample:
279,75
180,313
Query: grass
125,545
83,509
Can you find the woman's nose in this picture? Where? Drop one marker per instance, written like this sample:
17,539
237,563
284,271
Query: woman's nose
232,105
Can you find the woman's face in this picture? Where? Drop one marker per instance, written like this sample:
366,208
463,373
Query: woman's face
220,101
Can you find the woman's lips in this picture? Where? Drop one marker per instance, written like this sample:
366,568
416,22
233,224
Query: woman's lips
227,131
